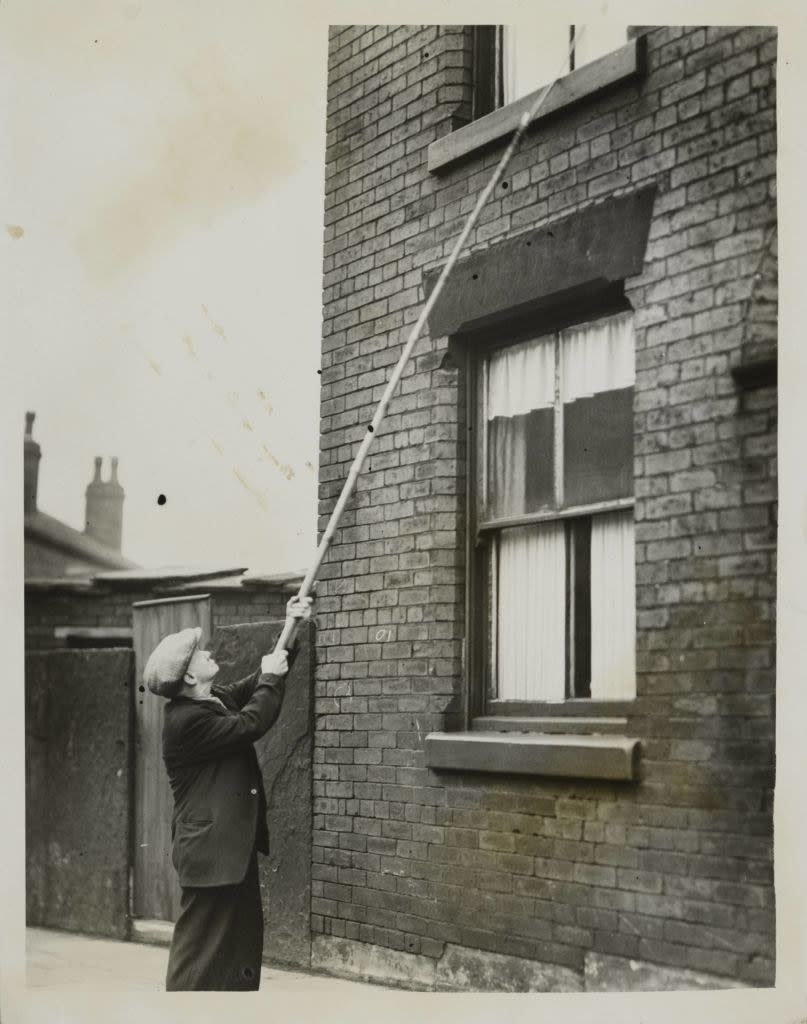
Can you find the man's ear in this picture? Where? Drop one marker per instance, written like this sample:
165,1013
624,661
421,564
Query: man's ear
188,679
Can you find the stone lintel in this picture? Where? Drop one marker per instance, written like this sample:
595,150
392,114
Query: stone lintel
579,259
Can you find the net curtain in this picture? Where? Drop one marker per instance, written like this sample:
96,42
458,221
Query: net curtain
595,357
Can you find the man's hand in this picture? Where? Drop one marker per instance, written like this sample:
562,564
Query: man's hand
299,608
275,664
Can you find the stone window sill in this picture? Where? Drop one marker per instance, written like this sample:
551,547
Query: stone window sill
560,755
622,65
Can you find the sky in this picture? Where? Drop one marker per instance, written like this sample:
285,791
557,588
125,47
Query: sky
164,245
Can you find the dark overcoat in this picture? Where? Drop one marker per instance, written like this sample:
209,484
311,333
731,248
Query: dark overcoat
219,800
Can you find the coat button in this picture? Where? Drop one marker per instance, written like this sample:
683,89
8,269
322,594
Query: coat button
254,792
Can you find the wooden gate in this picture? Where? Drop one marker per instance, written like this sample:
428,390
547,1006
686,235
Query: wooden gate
156,890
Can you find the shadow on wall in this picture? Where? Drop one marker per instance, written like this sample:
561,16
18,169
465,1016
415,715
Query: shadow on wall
78,776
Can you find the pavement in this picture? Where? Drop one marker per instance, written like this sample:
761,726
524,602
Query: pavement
68,961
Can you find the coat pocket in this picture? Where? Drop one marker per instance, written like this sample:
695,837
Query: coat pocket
191,845
191,826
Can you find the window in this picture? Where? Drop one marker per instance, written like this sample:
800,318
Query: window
515,60
554,485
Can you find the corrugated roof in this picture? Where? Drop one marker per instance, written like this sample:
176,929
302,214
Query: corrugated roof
278,579
169,574
289,582
173,579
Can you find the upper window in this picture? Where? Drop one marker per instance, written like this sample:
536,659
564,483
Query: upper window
515,60
554,484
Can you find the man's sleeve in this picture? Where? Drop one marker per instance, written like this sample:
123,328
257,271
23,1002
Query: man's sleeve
210,734
241,690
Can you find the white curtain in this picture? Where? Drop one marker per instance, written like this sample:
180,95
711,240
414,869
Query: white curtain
507,477
531,613
613,607
597,357
521,378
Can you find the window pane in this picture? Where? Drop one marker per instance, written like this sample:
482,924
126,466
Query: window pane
597,373
597,37
533,55
598,447
531,613
520,461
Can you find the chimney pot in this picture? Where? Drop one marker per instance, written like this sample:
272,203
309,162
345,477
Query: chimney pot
104,508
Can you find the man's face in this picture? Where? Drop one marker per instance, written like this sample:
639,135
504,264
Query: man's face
202,667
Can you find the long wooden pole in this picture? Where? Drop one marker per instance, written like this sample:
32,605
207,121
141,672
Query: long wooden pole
350,483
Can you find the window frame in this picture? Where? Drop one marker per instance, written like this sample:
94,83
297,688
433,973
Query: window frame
488,84
579,713
488,67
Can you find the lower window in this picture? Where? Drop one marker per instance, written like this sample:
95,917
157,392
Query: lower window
555,515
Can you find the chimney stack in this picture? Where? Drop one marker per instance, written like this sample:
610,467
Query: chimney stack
32,455
104,517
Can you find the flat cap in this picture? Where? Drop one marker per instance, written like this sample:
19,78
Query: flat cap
169,660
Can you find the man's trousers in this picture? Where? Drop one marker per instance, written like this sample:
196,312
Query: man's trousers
218,938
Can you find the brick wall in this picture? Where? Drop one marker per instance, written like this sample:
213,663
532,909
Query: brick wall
77,829
674,870
261,605
46,608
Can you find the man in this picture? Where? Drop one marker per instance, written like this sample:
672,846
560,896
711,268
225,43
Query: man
219,817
